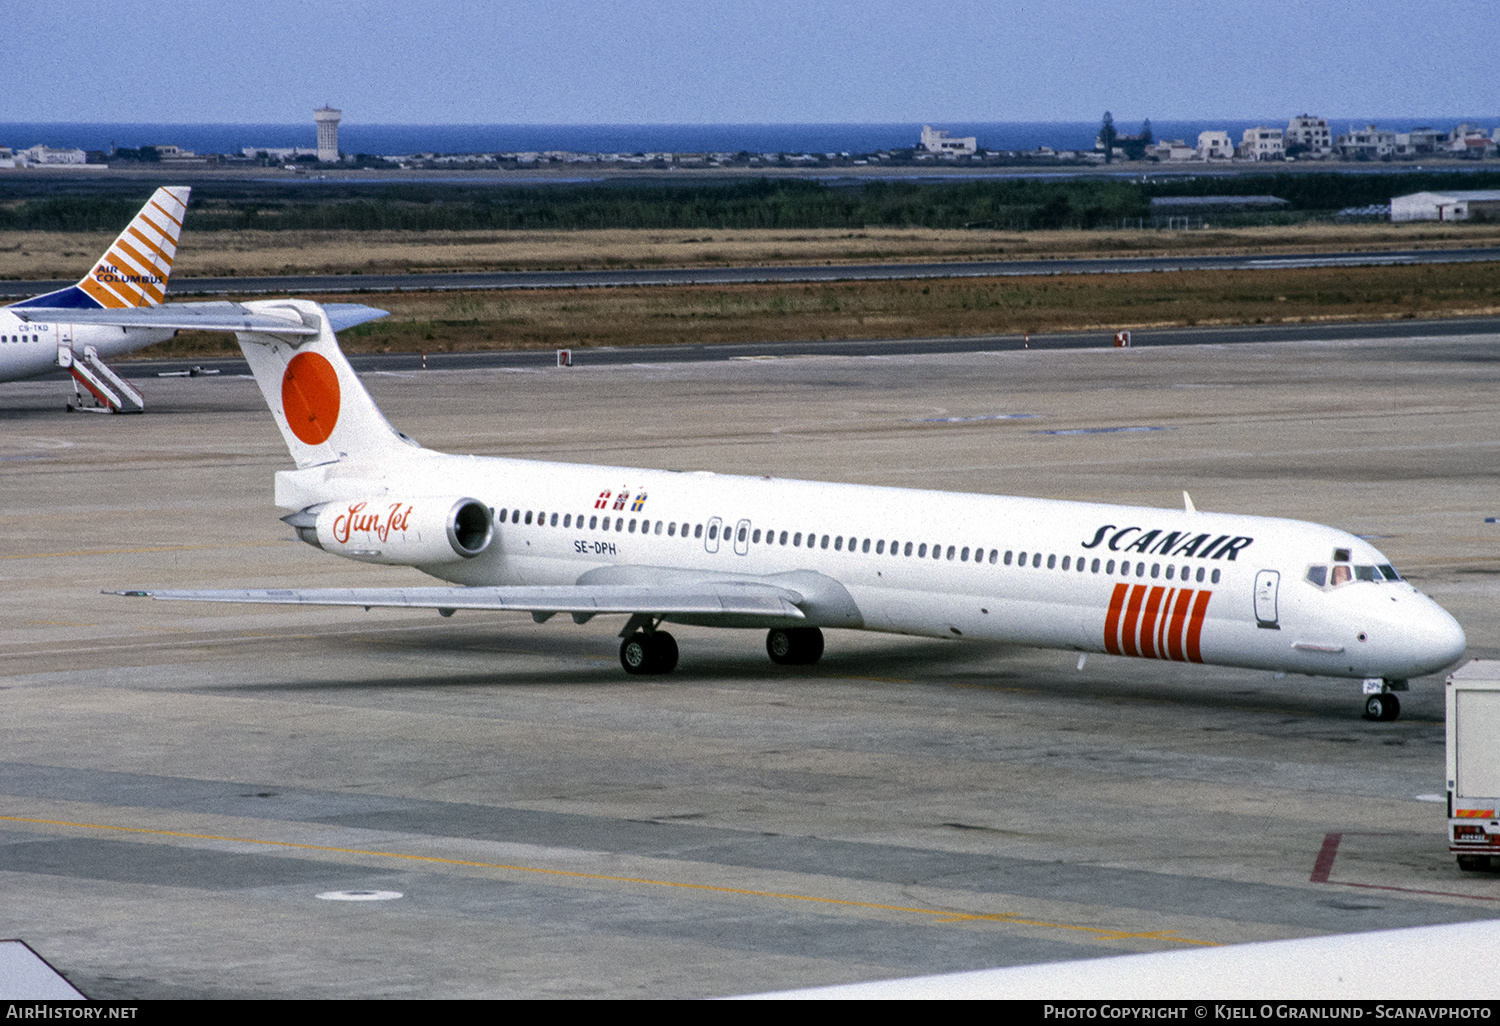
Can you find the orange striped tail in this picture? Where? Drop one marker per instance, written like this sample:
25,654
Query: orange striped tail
134,270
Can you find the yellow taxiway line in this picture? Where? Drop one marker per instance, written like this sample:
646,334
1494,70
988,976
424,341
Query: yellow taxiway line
939,915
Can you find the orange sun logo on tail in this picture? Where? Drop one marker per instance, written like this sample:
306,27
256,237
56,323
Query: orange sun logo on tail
310,397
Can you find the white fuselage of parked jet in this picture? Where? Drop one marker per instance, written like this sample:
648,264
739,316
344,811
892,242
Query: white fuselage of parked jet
795,556
30,347
1159,583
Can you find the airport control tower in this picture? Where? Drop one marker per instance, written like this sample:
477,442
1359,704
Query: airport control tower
328,133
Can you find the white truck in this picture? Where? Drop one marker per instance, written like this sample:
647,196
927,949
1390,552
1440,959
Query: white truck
1473,715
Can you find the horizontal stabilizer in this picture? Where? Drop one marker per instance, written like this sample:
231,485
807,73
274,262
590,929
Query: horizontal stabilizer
740,599
173,316
212,316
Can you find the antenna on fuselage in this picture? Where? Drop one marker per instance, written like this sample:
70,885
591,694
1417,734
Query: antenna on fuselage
1187,503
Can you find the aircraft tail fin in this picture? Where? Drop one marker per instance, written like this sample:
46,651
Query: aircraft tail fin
133,272
322,408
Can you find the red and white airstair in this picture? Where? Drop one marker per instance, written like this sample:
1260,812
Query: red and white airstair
93,379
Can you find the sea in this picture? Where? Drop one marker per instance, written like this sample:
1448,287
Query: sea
394,140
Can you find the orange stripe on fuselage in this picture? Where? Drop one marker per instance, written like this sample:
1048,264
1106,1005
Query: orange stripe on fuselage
1195,626
1174,631
1129,629
1112,619
1148,621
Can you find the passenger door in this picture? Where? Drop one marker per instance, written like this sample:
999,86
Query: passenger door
711,536
742,537
1266,585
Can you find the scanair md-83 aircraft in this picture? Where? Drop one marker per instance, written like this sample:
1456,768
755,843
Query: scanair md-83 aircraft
116,308
792,557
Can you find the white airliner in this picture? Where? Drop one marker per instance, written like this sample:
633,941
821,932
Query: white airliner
116,308
791,557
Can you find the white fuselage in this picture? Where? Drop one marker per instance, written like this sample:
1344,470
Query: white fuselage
29,348
1161,583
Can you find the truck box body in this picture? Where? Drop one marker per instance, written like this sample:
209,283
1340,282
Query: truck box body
1473,722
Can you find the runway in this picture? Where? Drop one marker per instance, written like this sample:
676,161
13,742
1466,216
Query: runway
328,284
190,797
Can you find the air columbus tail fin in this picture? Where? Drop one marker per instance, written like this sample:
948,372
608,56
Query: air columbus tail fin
320,405
133,272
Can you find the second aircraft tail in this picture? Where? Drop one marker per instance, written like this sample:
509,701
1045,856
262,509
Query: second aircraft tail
133,272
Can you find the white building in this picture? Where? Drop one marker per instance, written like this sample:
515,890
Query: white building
1460,205
1172,149
935,141
1306,130
328,133
1368,143
45,156
1469,141
1420,141
1214,146
1261,143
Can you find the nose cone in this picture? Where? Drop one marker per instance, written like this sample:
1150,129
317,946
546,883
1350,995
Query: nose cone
1427,637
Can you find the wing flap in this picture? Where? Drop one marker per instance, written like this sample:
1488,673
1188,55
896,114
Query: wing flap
740,599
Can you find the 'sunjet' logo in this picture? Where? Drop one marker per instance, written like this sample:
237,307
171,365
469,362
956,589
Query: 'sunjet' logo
377,524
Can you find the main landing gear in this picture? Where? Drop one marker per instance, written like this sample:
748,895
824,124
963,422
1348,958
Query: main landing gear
649,653
794,646
653,651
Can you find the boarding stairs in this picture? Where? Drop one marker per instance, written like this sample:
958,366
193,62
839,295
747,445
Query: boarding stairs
93,378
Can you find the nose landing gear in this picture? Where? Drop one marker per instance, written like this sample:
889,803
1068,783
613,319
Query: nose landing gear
1380,703
1382,707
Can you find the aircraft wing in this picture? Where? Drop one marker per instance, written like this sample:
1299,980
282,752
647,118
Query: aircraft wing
710,598
211,316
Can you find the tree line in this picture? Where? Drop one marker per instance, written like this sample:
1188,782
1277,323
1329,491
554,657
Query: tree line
1011,203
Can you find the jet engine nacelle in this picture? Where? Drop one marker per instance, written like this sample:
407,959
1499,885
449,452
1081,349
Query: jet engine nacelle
408,532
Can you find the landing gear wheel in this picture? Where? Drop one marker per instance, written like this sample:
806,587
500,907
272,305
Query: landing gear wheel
663,652
635,654
1384,706
649,653
794,646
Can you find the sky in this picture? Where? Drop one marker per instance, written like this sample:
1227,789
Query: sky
755,62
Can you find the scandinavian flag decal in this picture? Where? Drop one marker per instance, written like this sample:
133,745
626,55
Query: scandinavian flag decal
1154,622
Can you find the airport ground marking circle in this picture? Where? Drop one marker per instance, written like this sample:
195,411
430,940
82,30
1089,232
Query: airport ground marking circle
360,895
943,915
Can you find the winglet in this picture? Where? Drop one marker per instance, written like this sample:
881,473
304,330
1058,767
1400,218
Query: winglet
1187,503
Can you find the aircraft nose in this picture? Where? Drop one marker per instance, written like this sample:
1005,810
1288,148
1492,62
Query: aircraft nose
1437,639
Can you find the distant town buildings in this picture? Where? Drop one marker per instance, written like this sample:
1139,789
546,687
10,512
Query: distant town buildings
327,120
46,156
1215,146
1368,143
1308,137
1261,143
935,141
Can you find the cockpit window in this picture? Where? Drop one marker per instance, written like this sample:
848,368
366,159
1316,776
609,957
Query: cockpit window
1343,573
